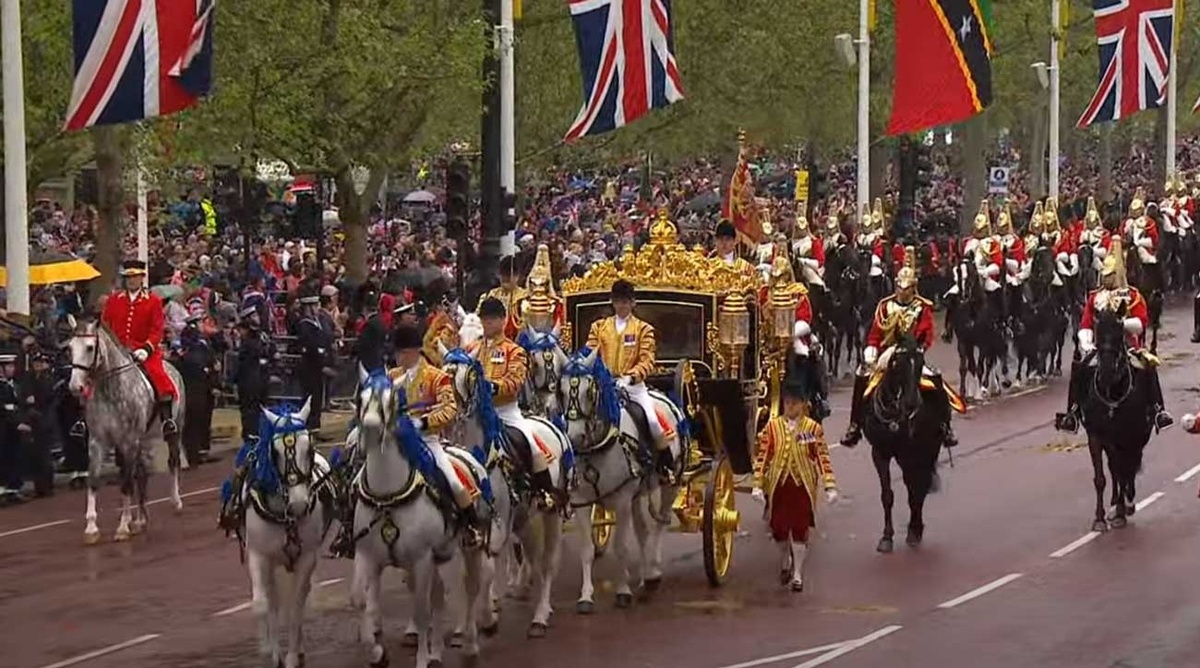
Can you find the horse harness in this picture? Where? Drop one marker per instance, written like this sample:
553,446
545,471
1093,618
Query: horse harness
602,440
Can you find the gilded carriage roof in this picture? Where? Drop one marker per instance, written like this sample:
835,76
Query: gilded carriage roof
665,264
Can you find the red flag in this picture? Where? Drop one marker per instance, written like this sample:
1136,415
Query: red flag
739,206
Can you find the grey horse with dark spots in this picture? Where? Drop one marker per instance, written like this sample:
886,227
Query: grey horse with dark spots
121,409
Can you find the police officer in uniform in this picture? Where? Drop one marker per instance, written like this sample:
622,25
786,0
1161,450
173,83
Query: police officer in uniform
35,388
371,346
12,430
252,377
315,346
199,366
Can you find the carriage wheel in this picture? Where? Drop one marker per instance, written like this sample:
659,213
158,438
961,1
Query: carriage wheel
720,521
603,521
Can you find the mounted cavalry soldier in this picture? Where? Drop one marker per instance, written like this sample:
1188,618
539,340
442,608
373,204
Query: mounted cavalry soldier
509,294
539,290
805,357
1116,296
316,348
1061,243
870,237
1033,235
904,311
135,317
764,252
432,406
1095,235
1013,247
506,366
809,252
983,250
1176,207
833,239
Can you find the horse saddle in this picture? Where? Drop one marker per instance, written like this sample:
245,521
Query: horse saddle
467,471
518,448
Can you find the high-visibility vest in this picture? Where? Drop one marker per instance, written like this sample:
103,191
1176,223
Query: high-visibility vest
210,218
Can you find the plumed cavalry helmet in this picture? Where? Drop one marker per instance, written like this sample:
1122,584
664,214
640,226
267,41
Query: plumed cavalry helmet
1037,221
1137,206
906,278
1170,188
801,225
1050,220
833,226
877,215
1091,219
1004,220
1114,264
868,221
983,222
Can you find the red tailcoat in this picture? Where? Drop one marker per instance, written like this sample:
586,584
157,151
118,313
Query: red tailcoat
1137,309
935,259
1066,243
922,326
136,319
898,257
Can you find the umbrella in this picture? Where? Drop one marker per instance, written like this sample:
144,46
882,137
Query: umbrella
704,202
167,291
420,197
49,268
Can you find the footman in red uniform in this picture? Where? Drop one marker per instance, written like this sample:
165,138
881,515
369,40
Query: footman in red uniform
135,317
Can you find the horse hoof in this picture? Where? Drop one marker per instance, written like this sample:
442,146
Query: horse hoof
382,661
797,586
585,607
435,663
885,545
651,585
1119,522
1130,510
1100,526
137,528
624,600
456,640
913,538
536,630
490,630
91,538
410,640
122,535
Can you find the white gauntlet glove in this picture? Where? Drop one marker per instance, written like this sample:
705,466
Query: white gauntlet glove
141,355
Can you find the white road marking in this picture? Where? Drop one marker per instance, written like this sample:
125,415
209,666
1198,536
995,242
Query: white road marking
246,606
35,527
848,647
784,657
976,593
104,651
198,492
1141,505
1078,543
1189,474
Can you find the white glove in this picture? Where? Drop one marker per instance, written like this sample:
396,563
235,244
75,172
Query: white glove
758,495
870,354
140,355
624,381
831,495
1087,341
1189,423
416,423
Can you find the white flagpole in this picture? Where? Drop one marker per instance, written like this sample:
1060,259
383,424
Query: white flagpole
1055,22
864,104
1172,96
143,228
16,205
508,133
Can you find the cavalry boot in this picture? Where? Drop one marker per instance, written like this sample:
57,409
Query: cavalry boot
1196,319
166,408
666,467
552,497
943,402
1162,419
472,527
854,431
1069,421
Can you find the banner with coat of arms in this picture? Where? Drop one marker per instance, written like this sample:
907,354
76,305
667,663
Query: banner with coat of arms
739,206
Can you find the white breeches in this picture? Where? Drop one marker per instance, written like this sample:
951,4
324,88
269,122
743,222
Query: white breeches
1067,264
511,416
640,394
812,275
876,266
464,495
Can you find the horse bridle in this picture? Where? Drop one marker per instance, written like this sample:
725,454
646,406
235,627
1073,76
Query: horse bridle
90,369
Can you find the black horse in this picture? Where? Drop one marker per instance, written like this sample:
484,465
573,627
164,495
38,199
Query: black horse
1148,279
842,303
1042,329
975,318
1115,398
903,423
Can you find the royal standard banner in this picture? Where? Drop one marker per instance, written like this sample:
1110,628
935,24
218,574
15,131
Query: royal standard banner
739,206
943,63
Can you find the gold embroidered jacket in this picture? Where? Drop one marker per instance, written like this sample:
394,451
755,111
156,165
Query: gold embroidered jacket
430,394
796,451
505,364
629,353
512,305
441,328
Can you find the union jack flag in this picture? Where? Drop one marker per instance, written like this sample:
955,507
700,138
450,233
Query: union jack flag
627,54
1135,57
138,59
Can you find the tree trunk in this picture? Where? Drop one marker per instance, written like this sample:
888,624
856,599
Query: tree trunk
1105,185
110,227
974,169
354,211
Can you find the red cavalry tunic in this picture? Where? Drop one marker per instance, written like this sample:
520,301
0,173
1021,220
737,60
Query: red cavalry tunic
1137,309
922,326
136,319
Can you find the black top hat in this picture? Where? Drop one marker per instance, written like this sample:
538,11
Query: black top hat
797,385
407,337
133,268
492,308
622,289
726,230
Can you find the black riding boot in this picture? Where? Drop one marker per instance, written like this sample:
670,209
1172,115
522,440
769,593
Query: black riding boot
552,497
166,411
472,526
943,403
1196,319
666,466
854,431
230,517
1162,419
1069,421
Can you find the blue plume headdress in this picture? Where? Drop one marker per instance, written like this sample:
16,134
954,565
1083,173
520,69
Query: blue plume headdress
609,405
489,421
265,473
542,342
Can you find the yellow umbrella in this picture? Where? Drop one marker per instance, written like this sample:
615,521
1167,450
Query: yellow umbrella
55,268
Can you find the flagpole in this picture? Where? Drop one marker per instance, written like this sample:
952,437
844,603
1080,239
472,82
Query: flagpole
16,206
864,103
1055,10
143,227
1172,95
508,148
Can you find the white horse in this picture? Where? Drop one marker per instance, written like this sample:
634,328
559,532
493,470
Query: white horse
540,393
285,524
605,437
121,410
480,422
391,493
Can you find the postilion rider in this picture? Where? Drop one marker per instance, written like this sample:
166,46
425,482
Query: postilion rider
909,307
135,316
1114,296
627,347
792,463
432,406
506,366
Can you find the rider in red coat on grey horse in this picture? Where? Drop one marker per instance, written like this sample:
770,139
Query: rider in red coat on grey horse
135,316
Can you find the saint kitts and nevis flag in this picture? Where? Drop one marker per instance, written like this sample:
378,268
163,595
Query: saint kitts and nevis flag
943,63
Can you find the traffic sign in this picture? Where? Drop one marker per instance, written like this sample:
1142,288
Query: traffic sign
998,180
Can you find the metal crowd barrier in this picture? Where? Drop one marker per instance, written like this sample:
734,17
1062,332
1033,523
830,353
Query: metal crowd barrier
339,390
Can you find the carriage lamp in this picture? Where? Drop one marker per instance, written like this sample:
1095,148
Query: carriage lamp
783,314
734,322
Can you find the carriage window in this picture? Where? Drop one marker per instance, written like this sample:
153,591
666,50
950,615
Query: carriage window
678,327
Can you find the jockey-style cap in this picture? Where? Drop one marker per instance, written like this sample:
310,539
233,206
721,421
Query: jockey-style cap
407,337
726,230
795,388
492,308
133,268
623,289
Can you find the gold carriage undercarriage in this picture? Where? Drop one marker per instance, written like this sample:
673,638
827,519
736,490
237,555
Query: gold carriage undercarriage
716,357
